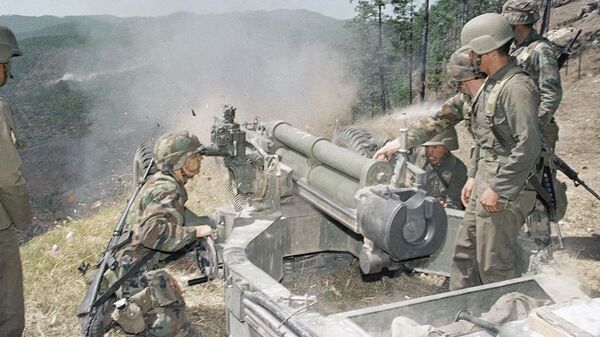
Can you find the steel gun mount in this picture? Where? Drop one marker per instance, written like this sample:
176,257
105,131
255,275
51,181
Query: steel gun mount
273,162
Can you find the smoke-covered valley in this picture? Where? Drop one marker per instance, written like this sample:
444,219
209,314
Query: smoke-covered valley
89,90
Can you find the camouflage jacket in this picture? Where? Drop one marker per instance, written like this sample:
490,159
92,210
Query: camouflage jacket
538,58
14,200
454,110
452,170
157,219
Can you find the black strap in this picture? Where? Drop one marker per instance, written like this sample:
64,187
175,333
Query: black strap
128,274
439,175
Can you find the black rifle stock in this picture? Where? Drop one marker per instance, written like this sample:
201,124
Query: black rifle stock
91,300
572,174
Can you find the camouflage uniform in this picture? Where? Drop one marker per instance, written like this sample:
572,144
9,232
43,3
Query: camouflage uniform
537,57
485,243
15,211
155,306
451,169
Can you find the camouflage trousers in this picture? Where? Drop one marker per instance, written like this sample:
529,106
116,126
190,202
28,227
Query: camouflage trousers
486,243
12,312
154,307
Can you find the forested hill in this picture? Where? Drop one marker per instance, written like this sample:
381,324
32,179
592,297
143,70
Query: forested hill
89,89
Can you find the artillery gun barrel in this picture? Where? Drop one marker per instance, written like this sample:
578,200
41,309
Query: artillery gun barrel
320,150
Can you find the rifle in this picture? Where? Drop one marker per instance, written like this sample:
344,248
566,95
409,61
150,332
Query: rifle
566,51
546,17
93,301
571,174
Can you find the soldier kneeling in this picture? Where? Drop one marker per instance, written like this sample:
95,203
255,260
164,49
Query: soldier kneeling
150,303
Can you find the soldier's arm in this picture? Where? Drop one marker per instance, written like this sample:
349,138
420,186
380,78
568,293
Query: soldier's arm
450,114
548,81
13,193
520,100
162,227
455,185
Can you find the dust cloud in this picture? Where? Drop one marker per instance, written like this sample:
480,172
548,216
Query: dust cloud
388,126
145,76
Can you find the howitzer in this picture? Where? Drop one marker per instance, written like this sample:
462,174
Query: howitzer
397,223
572,174
93,299
566,51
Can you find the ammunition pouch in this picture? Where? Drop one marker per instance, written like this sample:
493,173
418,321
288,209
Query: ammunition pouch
129,316
162,290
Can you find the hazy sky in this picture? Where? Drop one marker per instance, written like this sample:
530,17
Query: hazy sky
341,9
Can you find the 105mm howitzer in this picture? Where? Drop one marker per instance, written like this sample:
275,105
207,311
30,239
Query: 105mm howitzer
398,223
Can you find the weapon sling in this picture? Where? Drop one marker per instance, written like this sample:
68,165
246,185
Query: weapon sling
545,196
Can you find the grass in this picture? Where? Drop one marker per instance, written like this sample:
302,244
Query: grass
53,286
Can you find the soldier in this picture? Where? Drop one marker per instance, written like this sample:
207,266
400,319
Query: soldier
536,55
151,302
468,80
446,173
15,211
508,144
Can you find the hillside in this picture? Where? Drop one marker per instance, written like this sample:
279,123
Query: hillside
89,89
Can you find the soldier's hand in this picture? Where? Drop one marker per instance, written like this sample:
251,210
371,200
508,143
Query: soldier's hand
387,152
203,231
489,201
465,193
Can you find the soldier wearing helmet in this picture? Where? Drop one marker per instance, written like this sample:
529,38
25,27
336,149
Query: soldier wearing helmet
15,211
150,302
446,173
497,193
508,145
468,80
537,56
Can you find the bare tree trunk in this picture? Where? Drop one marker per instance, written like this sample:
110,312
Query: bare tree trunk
424,50
410,54
380,60
465,12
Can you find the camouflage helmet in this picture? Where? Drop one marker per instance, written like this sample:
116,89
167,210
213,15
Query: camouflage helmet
173,148
521,12
486,33
460,66
8,45
448,139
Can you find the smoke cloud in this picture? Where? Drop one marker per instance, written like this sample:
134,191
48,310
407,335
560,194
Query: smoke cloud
145,75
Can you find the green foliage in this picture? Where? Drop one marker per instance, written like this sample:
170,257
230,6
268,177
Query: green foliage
402,29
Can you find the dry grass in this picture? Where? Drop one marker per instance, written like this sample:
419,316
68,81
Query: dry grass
53,286
348,289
